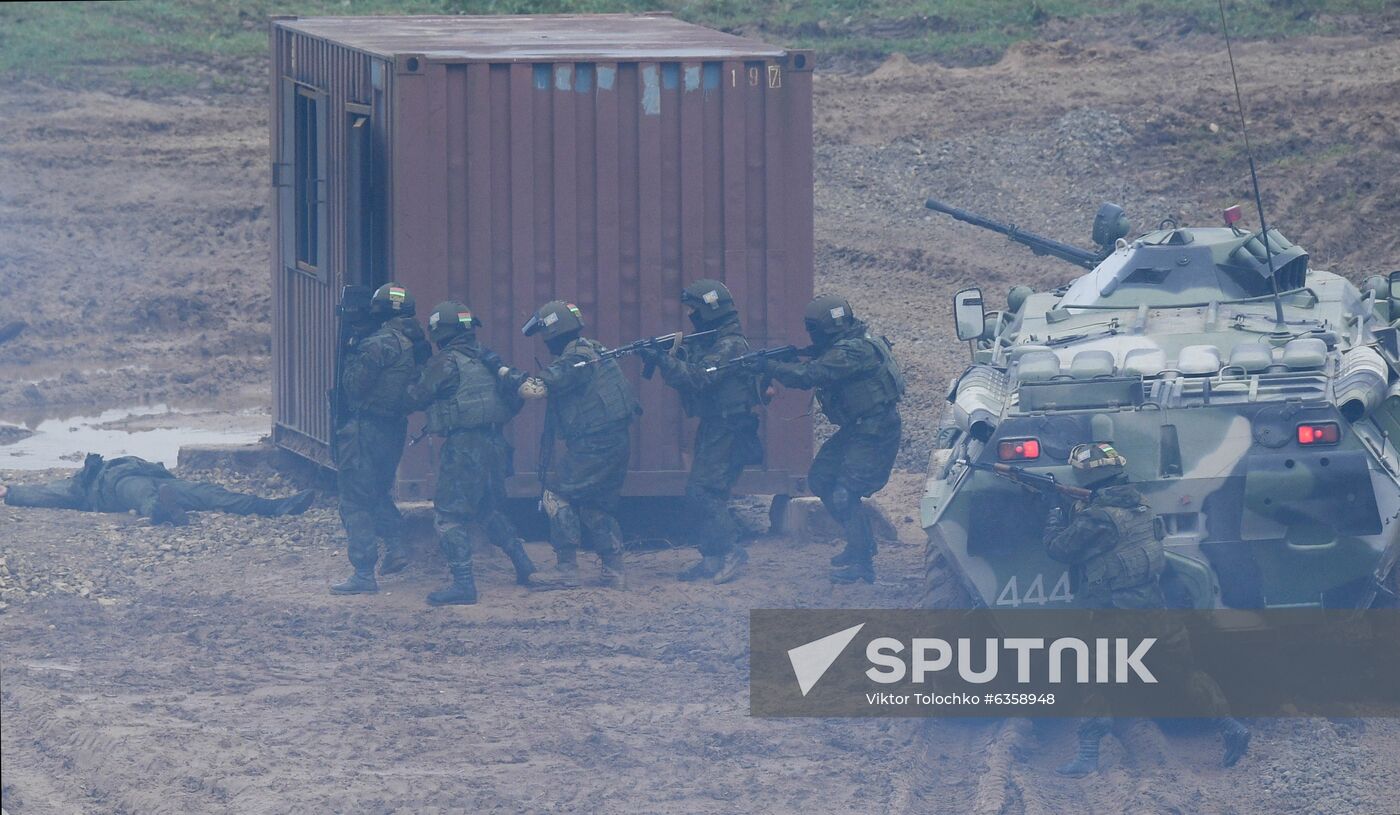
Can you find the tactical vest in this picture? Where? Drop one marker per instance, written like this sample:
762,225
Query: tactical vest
1137,560
733,393
867,394
389,396
476,403
604,399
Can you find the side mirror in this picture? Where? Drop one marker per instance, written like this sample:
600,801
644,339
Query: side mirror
968,315
1394,285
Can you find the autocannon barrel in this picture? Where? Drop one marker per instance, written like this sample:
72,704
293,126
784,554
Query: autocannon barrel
1037,243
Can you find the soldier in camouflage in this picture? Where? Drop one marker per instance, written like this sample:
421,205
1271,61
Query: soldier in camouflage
131,484
591,406
727,438
858,385
1116,556
380,361
468,408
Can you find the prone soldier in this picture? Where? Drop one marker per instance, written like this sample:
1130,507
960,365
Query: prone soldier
727,438
468,408
380,359
1116,556
591,405
131,484
859,385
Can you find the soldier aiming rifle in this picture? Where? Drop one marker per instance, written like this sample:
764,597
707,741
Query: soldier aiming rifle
662,344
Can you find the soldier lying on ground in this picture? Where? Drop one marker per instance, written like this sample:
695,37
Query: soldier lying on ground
131,484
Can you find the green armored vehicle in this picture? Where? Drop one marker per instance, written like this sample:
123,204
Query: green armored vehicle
1260,421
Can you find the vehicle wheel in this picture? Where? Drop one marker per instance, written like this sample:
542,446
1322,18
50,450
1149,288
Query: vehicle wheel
942,588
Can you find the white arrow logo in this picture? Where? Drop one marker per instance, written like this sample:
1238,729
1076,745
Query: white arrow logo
811,661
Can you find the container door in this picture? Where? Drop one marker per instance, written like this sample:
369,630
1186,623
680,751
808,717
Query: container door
307,300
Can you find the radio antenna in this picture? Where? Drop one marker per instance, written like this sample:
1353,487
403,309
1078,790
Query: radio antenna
1253,174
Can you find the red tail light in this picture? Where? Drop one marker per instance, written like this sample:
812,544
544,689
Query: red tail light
1319,433
1018,449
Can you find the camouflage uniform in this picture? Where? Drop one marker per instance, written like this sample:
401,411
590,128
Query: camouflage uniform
460,392
377,371
1113,549
727,437
590,407
1117,560
859,386
131,484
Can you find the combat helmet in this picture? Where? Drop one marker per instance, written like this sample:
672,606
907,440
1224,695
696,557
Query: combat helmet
449,320
553,320
1097,462
391,300
827,317
1017,297
709,301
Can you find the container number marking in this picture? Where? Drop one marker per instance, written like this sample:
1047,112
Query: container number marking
1011,594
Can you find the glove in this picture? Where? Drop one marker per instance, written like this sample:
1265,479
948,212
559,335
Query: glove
1055,518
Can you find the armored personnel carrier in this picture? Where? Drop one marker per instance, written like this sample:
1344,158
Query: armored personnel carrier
1254,397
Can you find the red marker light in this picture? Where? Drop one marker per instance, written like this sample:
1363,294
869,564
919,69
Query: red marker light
1018,449
1233,215
1319,433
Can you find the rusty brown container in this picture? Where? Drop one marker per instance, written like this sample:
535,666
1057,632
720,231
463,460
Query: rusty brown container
506,161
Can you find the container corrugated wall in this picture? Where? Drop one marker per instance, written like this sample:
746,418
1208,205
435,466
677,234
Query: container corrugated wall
610,184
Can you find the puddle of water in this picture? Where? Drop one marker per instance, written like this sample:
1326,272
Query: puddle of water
153,432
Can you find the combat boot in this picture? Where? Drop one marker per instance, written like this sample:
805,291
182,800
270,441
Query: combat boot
845,557
167,509
520,559
1086,760
562,575
613,574
395,558
731,565
704,569
361,582
293,504
460,592
1236,738
854,573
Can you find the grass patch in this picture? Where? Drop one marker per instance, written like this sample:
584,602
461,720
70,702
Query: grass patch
61,41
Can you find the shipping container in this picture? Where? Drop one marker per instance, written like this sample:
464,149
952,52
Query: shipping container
506,161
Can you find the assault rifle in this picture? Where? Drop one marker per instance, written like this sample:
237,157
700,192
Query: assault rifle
354,305
1040,482
661,343
781,352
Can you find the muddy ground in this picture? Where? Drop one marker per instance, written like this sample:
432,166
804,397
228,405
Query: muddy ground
205,669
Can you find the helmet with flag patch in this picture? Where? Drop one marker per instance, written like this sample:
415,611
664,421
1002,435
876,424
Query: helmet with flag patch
827,317
391,300
449,320
553,319
708,300
1096,462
